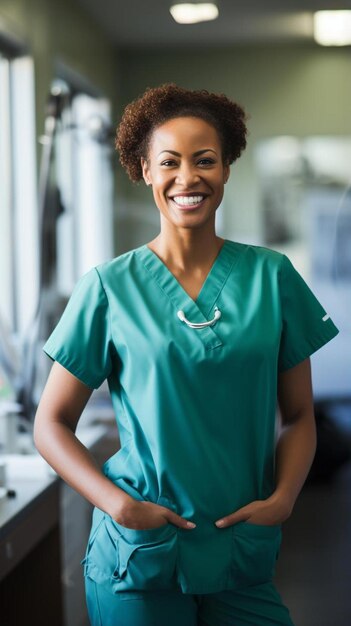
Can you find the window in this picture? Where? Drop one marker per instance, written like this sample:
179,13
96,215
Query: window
18,202
83,175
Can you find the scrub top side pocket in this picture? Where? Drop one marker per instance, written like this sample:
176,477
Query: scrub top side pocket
255,549
100,561
125,559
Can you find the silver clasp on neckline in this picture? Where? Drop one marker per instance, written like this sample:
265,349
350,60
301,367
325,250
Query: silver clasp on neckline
217,315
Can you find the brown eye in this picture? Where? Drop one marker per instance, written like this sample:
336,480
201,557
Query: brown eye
168,163
206,162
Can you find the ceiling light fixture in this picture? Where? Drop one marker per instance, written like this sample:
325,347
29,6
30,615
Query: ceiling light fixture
191,13
332,28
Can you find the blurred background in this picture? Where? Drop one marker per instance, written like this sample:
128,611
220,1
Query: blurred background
67,69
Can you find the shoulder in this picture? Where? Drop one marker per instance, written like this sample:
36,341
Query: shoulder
258,255
118,266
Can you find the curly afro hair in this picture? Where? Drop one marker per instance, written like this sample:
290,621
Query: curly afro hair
160,104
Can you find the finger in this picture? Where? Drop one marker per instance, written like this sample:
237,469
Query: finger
177,520
241,515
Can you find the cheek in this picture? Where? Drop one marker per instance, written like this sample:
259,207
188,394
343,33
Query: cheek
159,191
161,182
218,183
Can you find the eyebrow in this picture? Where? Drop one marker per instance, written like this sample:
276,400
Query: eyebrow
195,153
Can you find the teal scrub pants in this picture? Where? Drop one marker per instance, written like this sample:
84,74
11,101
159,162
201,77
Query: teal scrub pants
253,606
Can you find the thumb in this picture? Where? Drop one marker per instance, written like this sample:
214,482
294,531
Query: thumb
241,515
177,520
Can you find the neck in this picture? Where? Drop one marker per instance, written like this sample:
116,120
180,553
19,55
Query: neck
186,249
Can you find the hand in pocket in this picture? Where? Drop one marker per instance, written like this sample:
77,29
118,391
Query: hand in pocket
145,515
270,512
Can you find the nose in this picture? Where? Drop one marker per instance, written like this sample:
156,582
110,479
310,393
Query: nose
187,175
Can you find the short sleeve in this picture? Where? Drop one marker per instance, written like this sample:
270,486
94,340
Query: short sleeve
306,326
81,341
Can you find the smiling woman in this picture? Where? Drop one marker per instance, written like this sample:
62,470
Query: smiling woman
198,337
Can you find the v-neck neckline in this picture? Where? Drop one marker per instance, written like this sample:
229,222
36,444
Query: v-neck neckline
207,277
210,288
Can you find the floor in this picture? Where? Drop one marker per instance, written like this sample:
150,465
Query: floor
314,568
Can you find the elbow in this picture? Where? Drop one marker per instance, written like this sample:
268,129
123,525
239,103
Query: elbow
304,414
40,431
37,433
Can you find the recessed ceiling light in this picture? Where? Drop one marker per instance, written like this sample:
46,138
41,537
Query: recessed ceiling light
332,28
191,13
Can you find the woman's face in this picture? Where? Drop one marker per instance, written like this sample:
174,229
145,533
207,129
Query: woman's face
186,171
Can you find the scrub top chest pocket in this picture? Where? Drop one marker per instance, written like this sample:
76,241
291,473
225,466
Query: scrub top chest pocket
127,559
255,549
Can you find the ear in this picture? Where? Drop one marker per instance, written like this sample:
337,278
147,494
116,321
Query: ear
145,169
226,173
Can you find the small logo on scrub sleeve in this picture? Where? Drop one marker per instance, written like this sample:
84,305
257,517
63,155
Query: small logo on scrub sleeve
326,317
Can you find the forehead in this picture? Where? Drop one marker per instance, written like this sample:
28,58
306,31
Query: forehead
184,133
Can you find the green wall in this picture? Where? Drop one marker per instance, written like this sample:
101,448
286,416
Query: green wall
295,90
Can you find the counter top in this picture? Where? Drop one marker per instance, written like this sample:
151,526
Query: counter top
30,476
34,554
28,493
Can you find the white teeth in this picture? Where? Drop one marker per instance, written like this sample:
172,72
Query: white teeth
188,200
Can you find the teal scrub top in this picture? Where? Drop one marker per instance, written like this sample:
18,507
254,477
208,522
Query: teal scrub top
195,407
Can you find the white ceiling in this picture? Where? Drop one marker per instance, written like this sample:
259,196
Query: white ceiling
141,23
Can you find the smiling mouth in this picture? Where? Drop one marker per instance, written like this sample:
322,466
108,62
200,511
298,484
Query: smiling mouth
188,201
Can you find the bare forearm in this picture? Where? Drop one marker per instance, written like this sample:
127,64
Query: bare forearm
74,463
294,455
